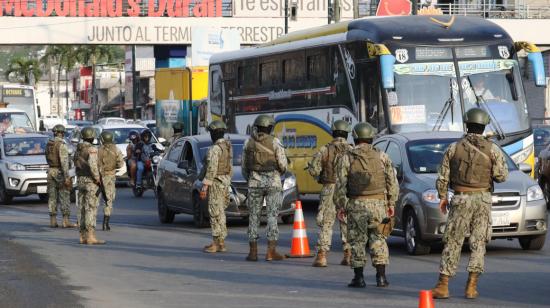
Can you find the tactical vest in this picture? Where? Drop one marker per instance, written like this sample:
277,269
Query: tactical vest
81,159
366,173
471,165
107,157
225,161
52,153
260,154
328,161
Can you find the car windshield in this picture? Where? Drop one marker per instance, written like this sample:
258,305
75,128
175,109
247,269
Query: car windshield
425,156
25,146
15,123
121,134
237,153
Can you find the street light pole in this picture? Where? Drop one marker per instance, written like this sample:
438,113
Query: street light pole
286,16
329,8
134,86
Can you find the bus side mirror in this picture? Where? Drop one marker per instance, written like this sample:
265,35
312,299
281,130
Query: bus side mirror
386,66
535,58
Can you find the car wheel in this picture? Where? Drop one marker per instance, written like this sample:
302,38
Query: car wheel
5,198
535,242
288,219
413,243
198,213
166,216
43,197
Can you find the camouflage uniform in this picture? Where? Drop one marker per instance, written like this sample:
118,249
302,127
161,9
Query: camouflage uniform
56,179
218,185
264,186
109,160
88,179
327,207
469,213
363,213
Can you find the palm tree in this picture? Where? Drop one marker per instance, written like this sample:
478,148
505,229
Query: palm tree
51,58
22,69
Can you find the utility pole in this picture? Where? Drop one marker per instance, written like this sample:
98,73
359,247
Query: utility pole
355,9
134,86
329,11
286,16
337,11
120,91
66,94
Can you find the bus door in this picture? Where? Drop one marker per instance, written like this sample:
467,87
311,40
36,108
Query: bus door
369,95
216,94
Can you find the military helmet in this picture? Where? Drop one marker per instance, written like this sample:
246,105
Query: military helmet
216,124
264,121
341,125
177,126
364,130
106,137
58,129
87,133
477,116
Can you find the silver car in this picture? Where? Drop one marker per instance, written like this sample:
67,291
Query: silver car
23,166
518,211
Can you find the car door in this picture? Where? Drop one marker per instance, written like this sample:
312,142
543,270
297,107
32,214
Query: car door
394,152
168,169
186,173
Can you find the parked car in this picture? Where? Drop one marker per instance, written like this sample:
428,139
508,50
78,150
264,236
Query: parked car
111,121
178,190
52,120
518,210
80,123
541,136
120,133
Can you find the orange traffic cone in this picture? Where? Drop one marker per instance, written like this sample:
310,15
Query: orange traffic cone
300,244
426,300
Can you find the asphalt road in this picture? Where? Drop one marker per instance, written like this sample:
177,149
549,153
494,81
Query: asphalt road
148,264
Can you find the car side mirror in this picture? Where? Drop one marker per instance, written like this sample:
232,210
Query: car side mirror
398,172
183,165
162,140
525,168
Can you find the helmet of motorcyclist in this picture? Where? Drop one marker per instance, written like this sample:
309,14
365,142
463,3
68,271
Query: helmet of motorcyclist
146,135
133,136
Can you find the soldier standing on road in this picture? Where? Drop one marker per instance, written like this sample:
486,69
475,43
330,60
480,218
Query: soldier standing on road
110,159
469,167
264,161
178,132
323,167
87,170
218,170
59,181
367,189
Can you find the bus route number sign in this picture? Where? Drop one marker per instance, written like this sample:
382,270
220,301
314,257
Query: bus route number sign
13,92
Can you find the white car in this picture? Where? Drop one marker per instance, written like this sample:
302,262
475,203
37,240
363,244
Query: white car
111,121
52,120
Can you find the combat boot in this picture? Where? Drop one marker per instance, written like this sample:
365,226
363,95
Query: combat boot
346,260
272,254
381,280
441,290
106,226
221,245
213,247
67,223
358,281
82,237
471,286
321,259
253,253
92,240
53,221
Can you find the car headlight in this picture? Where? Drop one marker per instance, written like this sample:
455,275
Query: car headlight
15,167
534,193
290,182
432,196
156,159
522,155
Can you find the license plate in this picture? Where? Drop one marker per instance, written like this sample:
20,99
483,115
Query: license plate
500,219
42,189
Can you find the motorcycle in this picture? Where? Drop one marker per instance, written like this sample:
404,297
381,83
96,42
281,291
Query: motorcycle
149,179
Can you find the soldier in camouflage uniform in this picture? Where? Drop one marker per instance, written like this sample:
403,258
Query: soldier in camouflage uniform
216,179
367,189
264,161
469,167
87,170
109,159
323,168
59,181
178,132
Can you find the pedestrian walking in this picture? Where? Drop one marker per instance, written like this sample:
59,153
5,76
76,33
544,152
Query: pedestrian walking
323,168
216,180
87,171
59,181
367,188
470,167
264,161
109,159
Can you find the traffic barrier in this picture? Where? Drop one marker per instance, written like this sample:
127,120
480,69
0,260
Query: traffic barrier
426,300
300,245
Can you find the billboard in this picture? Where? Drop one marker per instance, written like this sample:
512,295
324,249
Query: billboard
217,40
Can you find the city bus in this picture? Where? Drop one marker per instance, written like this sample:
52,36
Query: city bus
21,97
401,74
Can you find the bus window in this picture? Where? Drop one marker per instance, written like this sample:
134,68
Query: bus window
216,93
268,73
317,67
246,76
292,70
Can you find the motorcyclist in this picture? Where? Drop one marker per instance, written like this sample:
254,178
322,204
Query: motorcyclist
131,159
143,152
